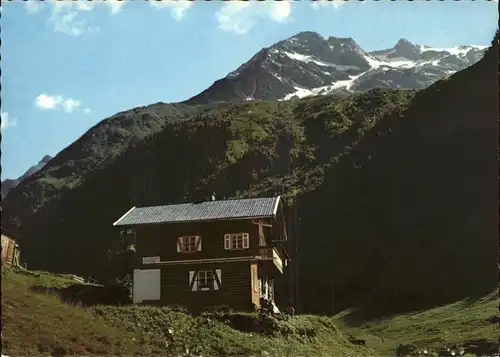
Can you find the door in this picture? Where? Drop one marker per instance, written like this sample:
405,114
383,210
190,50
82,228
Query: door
147,285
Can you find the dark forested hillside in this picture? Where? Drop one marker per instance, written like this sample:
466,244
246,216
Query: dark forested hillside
93,151
392,194
412,215
9,184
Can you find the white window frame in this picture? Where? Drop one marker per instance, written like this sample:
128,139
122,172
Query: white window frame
205,280
189,244
236,241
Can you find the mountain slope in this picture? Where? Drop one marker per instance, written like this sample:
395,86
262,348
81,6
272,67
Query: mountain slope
9,184
468,326
244,144
392,192
93,151
308,64
420,194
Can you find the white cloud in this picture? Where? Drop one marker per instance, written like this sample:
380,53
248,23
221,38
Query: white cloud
49,102
67,17
115,5
336,4
71,17
44,101
32,6
178,8
86,110
6,121
68,23
281,10
240,16
70,104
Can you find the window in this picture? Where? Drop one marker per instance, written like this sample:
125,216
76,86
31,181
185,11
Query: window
262,236
205,280
267,288
234,241
188,244
128,236
263,289
270,291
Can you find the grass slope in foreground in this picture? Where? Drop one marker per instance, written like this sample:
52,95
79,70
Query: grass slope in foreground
469,325
41,323
36,323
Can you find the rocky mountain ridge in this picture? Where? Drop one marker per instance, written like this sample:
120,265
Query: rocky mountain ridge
308,64
9,184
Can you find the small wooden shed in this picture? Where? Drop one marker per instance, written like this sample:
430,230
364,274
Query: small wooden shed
10,249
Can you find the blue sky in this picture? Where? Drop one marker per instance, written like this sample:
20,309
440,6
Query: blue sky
67,66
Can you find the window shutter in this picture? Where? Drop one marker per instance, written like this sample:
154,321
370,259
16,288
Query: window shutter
198,243
227,241
179,245
193,280
255,279
218,279
246,241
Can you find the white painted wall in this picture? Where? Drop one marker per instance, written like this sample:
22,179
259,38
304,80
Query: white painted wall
147,285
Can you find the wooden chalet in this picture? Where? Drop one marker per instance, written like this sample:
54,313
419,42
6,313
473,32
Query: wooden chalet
10,249
213,253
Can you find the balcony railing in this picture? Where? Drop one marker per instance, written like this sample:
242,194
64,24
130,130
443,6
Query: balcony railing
272,254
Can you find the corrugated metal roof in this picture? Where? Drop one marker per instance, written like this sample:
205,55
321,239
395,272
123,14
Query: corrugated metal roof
204,211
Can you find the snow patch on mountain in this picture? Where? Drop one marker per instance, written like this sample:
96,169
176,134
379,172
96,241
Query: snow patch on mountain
454,51
311,59
309,64
304,92
380,62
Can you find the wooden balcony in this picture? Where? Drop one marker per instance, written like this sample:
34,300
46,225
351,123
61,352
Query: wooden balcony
272,254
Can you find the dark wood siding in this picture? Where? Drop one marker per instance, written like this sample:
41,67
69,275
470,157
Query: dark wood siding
161,240
235,289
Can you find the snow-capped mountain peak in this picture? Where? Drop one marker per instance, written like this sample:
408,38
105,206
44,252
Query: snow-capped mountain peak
309,64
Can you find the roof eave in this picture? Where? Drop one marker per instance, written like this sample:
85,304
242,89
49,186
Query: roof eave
122,217
276,205
194,221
